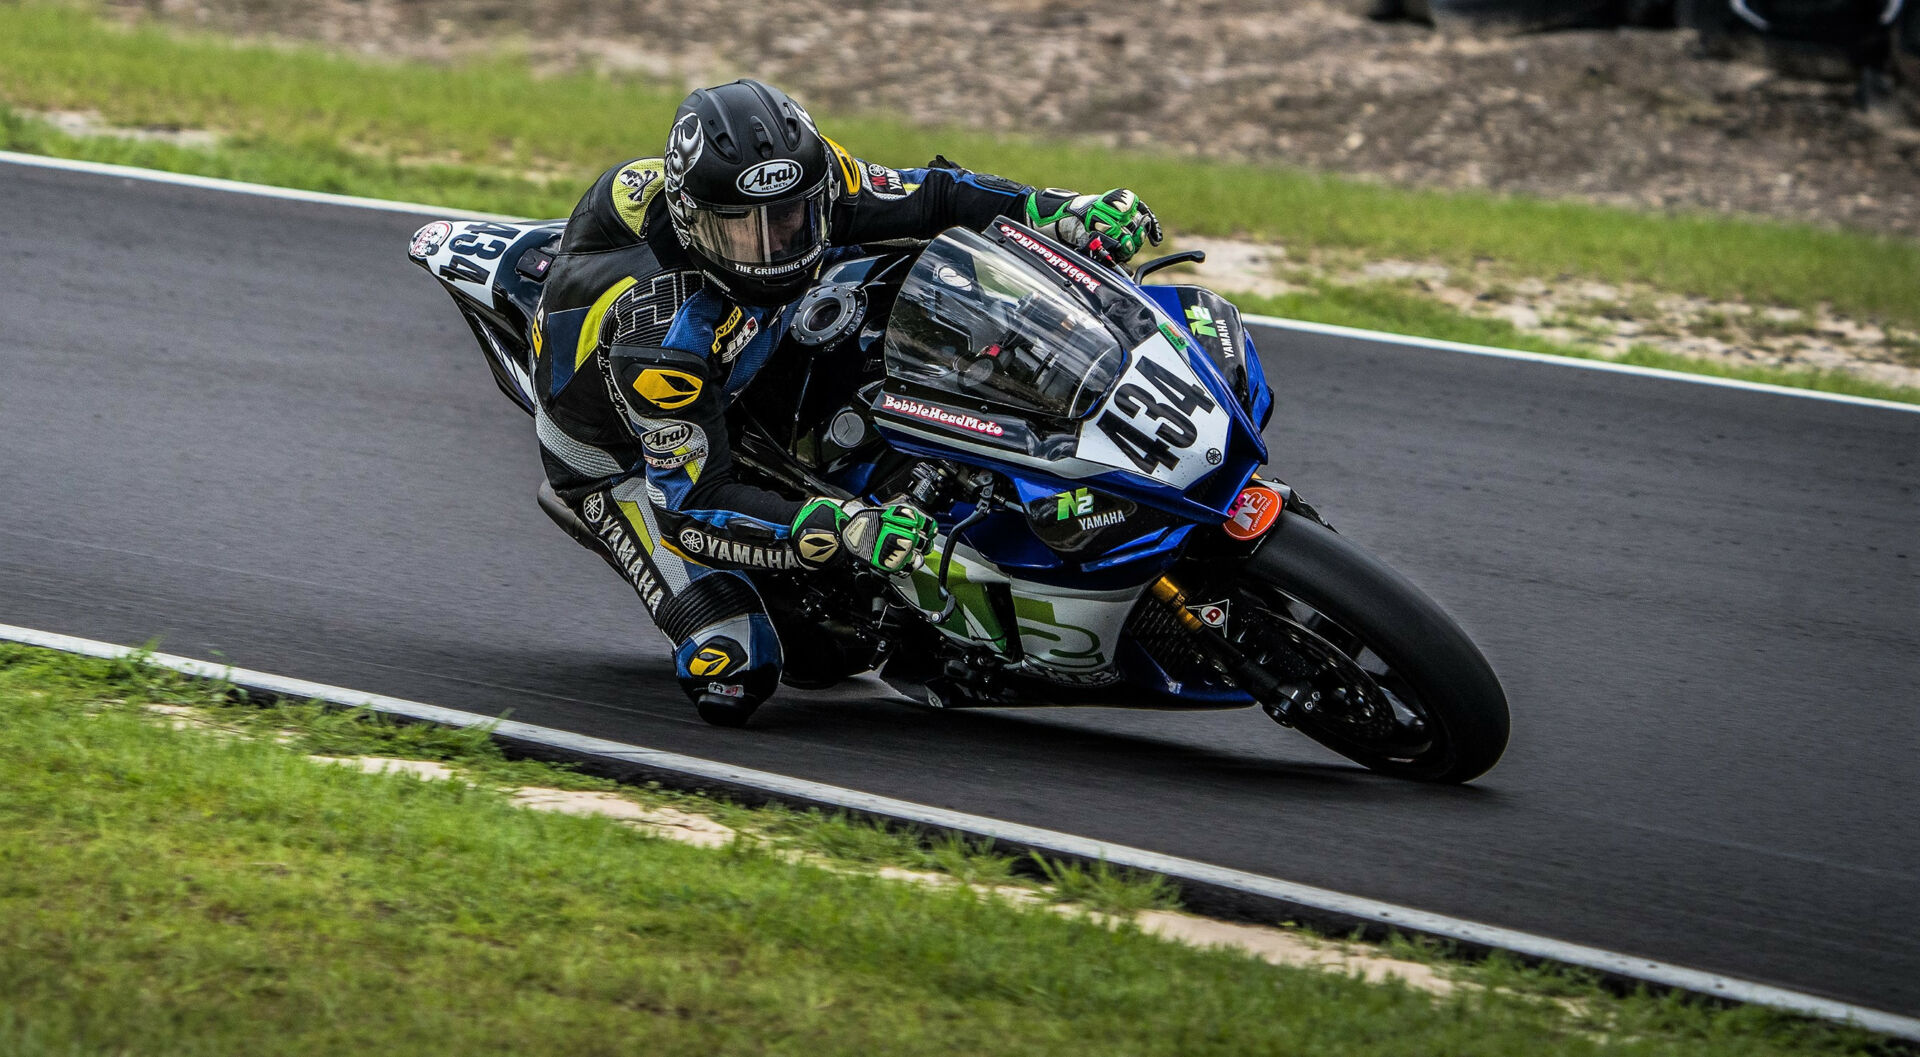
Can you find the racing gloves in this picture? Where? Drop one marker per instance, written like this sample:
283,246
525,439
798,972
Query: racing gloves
1110,227
889,539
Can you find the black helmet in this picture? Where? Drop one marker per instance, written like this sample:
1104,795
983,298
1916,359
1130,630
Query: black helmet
749,185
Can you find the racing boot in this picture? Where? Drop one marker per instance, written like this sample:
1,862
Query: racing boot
722,675
726,654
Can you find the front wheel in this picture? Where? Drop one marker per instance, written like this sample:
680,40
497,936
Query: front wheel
1386,678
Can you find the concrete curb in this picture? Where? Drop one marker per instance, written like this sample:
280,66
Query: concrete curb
1213,889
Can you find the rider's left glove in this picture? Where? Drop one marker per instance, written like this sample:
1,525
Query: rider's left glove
1110,227
890,539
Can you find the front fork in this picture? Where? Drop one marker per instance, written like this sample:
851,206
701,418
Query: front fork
1280,700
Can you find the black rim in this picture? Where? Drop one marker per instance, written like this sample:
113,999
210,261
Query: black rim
1362,703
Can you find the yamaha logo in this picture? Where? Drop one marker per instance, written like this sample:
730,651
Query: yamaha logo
769,178
692,540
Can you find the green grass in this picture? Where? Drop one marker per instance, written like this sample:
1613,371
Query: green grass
182,892
496,138
1380,307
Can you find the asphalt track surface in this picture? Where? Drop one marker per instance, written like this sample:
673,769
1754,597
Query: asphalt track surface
250,429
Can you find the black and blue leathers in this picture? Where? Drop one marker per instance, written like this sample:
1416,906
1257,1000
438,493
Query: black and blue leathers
636,358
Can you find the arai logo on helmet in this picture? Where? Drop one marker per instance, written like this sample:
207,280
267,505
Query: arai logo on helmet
769,177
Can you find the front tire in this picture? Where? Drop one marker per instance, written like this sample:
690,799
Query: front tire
1391,645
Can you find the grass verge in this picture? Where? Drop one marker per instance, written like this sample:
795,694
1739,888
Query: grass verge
178,890
494,137
1379,307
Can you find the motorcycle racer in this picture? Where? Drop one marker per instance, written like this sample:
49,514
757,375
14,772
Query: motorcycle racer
669,292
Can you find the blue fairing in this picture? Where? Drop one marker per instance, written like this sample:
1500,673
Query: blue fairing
1006,539
1250,416
1257,380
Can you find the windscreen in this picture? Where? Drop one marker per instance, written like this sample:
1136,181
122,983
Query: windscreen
982,321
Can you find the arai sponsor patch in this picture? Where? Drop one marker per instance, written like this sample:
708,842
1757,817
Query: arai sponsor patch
671,438
671,447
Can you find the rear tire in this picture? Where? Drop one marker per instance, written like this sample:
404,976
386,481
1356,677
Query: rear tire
1430,666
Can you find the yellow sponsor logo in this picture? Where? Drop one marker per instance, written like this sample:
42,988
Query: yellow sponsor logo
710,662
847,169
725,329
667,390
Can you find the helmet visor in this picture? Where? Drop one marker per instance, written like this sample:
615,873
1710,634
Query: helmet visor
765,236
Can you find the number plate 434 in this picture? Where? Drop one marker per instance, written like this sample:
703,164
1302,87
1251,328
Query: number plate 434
1158,420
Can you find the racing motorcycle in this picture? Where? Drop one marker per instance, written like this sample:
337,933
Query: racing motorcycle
1090,448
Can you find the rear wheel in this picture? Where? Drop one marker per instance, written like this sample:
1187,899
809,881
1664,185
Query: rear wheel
1383,676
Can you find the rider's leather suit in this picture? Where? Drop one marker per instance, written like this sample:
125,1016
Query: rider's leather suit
654,479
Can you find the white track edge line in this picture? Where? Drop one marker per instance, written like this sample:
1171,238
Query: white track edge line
1525,943
1432,344
1438,345
215,183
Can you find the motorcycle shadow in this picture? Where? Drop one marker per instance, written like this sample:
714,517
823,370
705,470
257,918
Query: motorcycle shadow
1097,751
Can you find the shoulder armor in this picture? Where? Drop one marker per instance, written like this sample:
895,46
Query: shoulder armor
848,170
633,189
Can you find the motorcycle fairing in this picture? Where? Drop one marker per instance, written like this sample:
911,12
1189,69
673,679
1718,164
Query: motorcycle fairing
1067,635
1215,324
943,396
478,261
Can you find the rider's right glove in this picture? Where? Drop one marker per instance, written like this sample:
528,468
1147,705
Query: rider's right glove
1111,227
888,539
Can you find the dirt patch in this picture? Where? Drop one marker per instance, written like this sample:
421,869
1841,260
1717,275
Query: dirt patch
683,826
1626,117
90,123
1604,319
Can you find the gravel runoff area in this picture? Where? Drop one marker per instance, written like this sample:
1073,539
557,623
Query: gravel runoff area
1625,117
1629,117
1607,319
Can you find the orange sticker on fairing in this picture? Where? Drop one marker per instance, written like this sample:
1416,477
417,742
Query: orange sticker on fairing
1253,513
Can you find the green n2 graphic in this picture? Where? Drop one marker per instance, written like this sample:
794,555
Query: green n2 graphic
1076,503
1200,321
